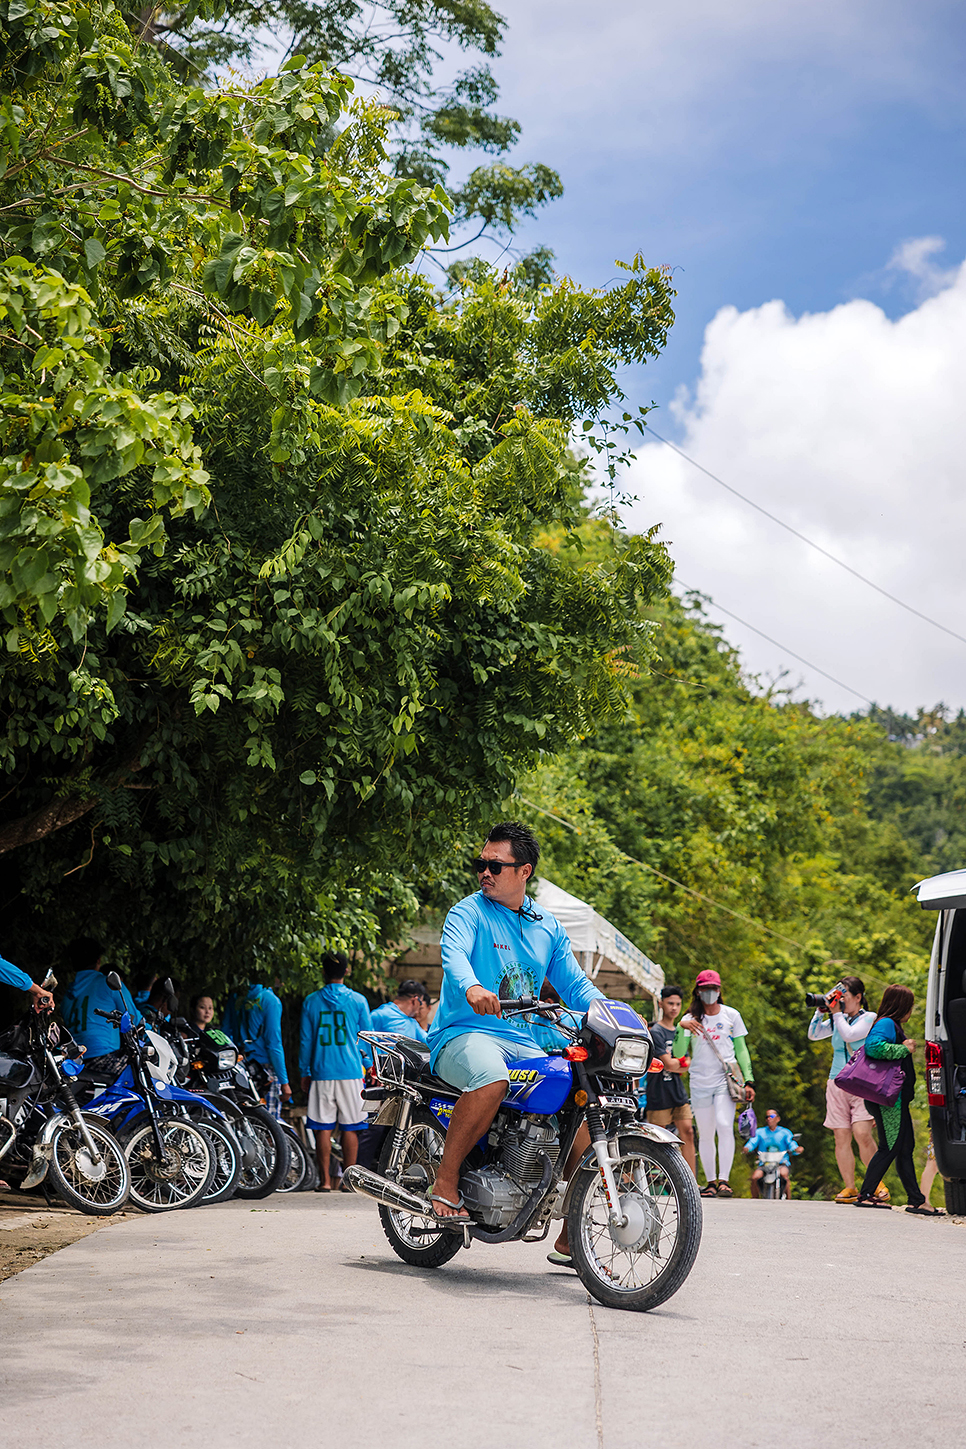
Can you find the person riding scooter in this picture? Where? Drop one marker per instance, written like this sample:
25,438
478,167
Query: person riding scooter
772,1138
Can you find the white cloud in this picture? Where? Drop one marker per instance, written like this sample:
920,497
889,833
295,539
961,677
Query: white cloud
915,259
852,428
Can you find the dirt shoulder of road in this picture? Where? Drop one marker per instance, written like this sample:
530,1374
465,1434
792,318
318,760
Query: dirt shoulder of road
30,1229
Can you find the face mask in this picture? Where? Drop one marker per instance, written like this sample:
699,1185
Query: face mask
709,997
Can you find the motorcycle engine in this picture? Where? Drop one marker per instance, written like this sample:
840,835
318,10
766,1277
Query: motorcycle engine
495,1193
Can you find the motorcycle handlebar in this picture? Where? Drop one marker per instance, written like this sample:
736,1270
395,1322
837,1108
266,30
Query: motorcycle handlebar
517,1004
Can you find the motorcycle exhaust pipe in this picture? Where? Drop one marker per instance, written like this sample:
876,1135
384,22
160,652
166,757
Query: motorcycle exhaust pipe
390,1194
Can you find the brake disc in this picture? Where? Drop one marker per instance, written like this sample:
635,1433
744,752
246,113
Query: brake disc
642,1224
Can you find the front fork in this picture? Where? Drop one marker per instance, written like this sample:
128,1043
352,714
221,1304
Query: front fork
75,1114
598,1140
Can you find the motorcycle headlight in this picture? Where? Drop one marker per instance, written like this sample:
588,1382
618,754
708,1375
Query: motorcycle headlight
227,1057
630,1055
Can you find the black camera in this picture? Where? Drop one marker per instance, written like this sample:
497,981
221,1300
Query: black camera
832,1000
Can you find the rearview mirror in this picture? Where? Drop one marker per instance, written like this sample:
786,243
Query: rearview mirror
113,980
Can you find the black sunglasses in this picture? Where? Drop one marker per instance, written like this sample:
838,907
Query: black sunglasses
494,866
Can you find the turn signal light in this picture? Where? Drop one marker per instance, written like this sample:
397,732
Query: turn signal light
575,1053
935,1088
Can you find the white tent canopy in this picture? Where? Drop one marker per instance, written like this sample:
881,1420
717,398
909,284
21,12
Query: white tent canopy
611,961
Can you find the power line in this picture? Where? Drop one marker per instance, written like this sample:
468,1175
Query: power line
759,925
784,647
817,546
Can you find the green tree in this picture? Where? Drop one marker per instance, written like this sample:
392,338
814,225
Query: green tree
268,703
394,47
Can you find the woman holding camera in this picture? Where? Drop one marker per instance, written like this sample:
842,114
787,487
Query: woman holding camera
847,1117
718,1035
887,1041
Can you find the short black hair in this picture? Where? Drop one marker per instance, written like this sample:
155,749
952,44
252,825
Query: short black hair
192,1005
667,991
412,988
83,953
521,840
335,964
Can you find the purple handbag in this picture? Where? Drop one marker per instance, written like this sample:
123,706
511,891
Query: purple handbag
874,1081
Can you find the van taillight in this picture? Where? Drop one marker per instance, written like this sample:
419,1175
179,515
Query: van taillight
935,1086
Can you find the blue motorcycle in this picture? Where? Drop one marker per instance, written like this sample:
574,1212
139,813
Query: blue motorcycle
632,1207
171,1158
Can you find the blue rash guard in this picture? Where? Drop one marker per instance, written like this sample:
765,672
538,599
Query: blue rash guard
388,1017
11,975
329,1048
510,954
773,1139
90,990
253,1020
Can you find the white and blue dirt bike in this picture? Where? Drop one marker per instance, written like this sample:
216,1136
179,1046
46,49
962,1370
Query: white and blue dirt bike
632,1207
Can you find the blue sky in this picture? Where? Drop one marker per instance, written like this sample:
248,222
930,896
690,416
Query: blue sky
808,156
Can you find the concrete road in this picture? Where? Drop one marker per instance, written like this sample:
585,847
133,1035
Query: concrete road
289,1323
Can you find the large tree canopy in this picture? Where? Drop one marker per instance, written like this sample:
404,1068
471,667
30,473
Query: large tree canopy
396,49
279,629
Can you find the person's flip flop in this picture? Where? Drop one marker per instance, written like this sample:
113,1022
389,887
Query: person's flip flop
924,1211
871,1202
344,1187
320,1188
560,1260
459,1218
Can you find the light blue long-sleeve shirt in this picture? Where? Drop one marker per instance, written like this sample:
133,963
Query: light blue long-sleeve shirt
510,954
88,991
253,1020
329,1048
388,1017
11,975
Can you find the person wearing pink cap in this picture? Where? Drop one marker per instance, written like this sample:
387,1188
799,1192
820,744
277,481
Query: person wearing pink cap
714,1036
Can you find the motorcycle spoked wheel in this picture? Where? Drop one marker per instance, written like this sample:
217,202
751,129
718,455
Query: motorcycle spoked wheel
420,1160
312,1176
182,1178
227,1154
641,1265
265,1153
298,1165
95,1189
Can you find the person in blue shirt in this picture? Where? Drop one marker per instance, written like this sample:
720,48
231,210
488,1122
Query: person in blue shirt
253,1020
495,946
90,993
772,1138
400,1015
11,975
332,1064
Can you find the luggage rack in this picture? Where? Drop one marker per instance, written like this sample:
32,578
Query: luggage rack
390,1064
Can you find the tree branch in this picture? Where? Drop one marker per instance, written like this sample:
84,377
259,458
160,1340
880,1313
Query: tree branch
67,808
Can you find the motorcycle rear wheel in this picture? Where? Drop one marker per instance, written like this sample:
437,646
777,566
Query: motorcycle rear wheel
71,1169
265,1153
182,1179
644,1264
298,1165
423,1149
227,1155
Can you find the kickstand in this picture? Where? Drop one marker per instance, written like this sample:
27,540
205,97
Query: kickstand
467,1239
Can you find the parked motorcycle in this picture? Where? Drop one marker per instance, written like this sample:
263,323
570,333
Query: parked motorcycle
44,1135
171,1159
213,1070
632,1207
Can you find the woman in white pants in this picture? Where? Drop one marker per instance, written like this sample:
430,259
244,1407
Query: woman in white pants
709,1020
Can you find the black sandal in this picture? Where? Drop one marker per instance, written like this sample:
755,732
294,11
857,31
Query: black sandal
873,1202
710,1191
925,1211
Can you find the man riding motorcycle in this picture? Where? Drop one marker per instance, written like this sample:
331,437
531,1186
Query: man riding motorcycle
495,945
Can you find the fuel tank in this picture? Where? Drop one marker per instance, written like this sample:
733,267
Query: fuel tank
539,1084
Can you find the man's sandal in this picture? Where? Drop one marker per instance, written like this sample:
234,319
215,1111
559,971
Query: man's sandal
458,1218
724,1189
872,1202
925,1211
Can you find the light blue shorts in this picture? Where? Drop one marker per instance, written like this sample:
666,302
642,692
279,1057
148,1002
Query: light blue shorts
476,1059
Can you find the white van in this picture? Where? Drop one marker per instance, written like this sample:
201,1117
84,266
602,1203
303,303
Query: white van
946,1030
